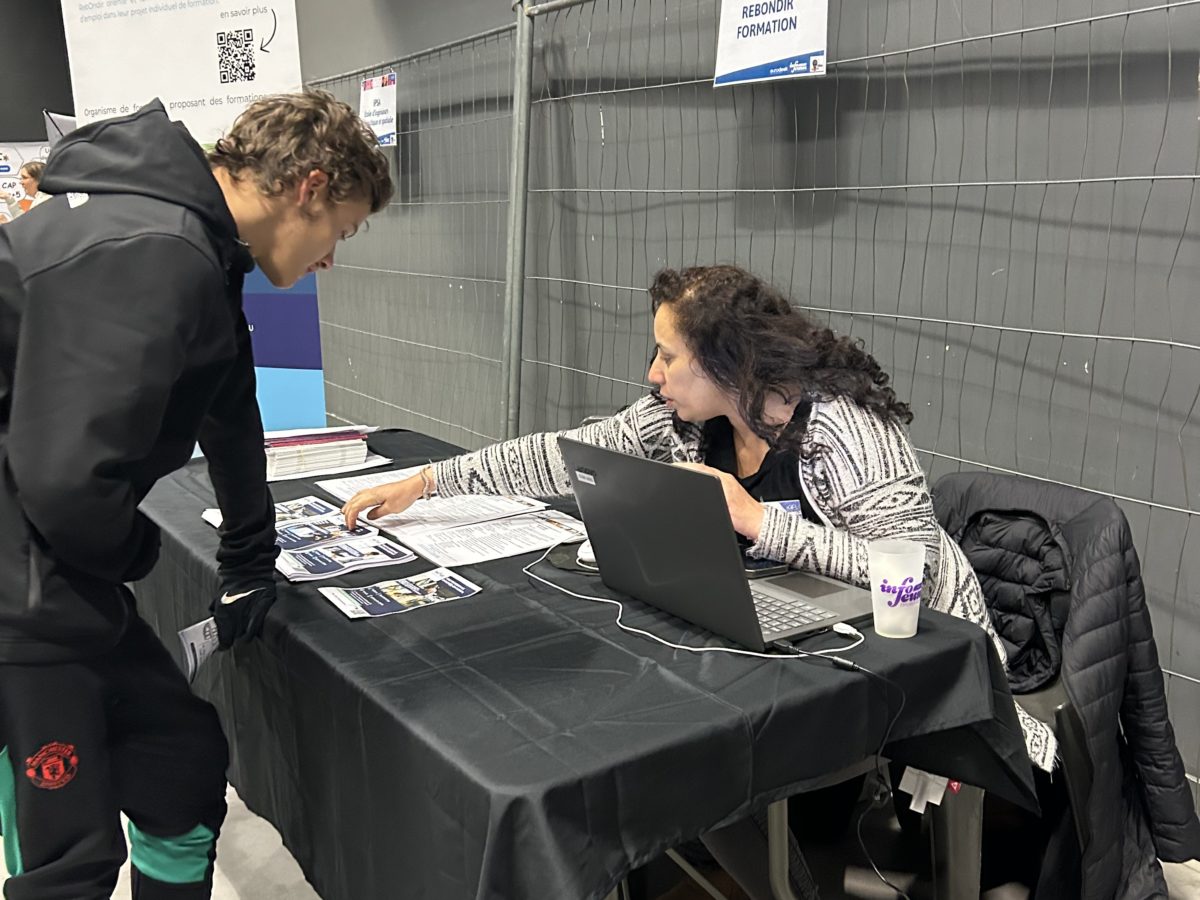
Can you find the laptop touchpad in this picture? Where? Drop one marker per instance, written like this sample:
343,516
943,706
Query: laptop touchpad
805,584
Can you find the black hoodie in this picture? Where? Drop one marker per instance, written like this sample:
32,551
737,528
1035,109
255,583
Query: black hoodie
122,343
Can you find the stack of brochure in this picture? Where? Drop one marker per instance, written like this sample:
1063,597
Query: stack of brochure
315,543
315,451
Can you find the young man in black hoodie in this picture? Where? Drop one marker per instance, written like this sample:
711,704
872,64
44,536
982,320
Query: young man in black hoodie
122,344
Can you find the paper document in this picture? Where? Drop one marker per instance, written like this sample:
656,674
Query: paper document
311,532
341,557
333,429
441,513
388,597
199,643
304,508
372,461
345,488
436,513
285,511
469,544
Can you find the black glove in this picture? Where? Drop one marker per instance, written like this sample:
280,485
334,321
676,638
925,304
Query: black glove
240,610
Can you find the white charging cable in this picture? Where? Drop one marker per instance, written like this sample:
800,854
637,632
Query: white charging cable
791,650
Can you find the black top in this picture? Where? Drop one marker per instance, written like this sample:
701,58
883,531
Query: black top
778,478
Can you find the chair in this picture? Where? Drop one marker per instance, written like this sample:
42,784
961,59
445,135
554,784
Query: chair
1096,829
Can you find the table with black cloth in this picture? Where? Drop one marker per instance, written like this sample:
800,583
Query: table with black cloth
517,744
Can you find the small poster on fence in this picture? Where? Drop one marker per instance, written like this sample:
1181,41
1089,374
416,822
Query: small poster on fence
765,40
377,106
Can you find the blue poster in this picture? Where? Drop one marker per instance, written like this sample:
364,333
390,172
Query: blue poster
285,330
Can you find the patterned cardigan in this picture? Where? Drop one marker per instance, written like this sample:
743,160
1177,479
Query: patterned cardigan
860,474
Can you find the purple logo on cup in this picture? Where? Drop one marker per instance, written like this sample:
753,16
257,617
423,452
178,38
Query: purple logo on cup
906,591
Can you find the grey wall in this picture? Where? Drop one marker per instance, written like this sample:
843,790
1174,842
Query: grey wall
338,37
1006,220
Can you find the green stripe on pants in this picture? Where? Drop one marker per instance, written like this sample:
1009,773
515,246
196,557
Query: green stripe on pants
174,860
8,816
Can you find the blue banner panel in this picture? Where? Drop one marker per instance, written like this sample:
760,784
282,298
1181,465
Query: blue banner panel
285,330
285,327
291,398
256,283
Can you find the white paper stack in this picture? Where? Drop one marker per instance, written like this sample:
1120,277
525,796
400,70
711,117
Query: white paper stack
315,451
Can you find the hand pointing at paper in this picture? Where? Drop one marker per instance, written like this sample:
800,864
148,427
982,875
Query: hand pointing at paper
389,499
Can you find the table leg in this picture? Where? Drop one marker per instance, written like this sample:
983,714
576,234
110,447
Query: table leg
693,873
958,844
777,850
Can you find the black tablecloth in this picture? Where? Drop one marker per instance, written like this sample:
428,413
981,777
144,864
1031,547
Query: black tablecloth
518,744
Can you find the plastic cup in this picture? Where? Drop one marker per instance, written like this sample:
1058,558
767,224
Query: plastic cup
897,572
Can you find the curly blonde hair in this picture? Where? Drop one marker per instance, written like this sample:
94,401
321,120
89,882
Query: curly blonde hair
278,140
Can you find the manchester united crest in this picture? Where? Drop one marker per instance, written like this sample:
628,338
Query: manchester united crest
53,766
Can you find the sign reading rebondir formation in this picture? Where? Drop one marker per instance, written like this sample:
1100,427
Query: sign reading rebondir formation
765,40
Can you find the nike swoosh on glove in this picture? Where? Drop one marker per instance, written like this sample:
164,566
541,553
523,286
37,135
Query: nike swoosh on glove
240,611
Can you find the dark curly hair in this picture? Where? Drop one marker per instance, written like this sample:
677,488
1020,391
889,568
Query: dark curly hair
751,342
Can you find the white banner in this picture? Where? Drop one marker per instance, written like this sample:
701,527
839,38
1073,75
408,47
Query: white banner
765,40
377,106
206,59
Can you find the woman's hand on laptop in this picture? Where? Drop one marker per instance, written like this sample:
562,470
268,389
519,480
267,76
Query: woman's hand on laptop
745,512
386,499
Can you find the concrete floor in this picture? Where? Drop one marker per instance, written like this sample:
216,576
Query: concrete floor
252,864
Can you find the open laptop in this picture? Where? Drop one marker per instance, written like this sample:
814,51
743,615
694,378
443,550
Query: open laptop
662,534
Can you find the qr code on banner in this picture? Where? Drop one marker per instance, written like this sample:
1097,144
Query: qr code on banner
235,55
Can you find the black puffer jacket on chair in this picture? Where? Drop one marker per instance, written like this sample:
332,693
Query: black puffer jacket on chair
1024,569
1139,807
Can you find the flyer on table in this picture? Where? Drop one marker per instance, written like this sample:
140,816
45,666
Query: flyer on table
389,597
310,532
341,557
765,40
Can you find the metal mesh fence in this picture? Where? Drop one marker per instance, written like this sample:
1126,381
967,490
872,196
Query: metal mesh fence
412,311
997,198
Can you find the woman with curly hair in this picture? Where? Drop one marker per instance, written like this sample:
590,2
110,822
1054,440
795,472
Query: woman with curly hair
778,408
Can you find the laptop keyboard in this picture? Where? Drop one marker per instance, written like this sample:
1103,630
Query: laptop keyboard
776,615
